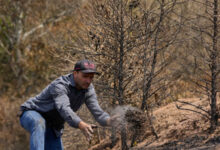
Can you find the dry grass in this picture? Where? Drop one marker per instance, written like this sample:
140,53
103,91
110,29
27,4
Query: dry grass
12,135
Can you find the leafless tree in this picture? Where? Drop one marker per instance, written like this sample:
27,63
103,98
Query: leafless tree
160,30
202,64
114,31
110,34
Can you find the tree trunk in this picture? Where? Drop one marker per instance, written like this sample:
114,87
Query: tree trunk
214,54
124,145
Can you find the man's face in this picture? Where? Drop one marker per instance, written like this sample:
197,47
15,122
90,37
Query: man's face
83,80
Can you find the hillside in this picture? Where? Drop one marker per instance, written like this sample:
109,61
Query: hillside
178,129
181,129
149,53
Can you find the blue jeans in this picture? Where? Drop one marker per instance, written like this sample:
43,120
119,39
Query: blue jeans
42,137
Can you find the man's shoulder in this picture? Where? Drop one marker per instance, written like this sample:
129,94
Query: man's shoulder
91,87
90,90
64,79
62,82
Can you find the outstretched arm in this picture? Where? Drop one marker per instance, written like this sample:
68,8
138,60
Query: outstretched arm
91,102
62,104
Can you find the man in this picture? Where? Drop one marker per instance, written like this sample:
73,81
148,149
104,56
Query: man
43,116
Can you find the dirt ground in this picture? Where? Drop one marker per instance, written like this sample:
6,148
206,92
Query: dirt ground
182,129
176,129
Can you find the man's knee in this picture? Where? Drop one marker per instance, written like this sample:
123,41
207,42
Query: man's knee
39,124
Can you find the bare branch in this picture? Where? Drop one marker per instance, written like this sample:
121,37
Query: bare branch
50,20
198,107
192,111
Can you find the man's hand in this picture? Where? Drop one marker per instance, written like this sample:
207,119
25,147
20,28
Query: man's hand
86,129
113,121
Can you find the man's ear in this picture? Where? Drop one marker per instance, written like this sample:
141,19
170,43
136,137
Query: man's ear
74,73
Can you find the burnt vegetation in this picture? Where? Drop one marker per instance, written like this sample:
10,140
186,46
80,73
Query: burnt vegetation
137,122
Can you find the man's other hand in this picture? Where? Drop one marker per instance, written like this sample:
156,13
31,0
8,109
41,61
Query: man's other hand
114,121
86,129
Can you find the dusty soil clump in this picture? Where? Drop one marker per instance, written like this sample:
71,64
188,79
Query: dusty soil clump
136,123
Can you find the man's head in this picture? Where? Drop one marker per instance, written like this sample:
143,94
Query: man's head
84,72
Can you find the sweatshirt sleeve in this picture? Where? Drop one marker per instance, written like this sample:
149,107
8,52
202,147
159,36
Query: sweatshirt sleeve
62,104
92,104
